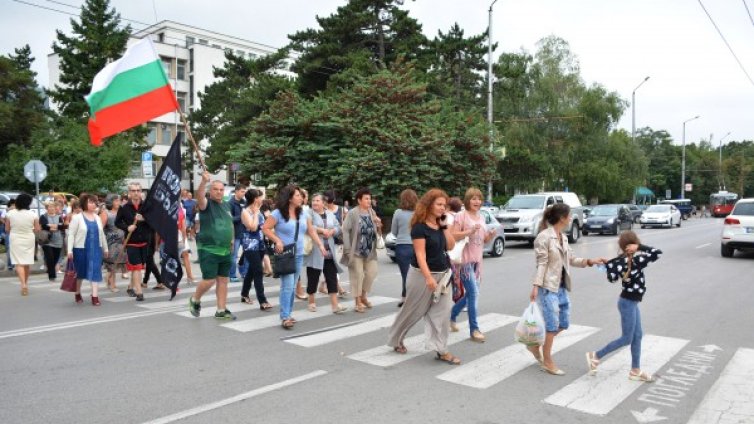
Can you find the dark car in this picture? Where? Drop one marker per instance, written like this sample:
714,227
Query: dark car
608,219
635,213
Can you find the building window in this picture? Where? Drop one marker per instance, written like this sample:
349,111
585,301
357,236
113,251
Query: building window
167,66
216,46
166,134
191,90
182,133
202,41
181,96
152,134
191,60
190,41
161,37
252,55
240,53
181,70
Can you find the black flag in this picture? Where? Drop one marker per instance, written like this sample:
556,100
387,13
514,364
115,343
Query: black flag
161,212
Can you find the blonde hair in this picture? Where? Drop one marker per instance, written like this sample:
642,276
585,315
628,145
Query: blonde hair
471,193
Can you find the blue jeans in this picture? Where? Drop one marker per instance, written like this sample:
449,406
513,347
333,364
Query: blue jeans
556,309
404,254
630,321
8,262
470,297
287,287
234,261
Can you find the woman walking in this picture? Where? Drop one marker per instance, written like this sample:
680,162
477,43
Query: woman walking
629,269
53,224
86,244
427,287
116,261
252,242
317,262
287,225
401,229
360,230
552,280
470,223
20,225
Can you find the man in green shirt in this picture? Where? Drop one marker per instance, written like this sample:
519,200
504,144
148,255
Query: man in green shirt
214,244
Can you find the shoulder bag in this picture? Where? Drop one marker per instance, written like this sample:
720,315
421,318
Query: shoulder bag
285,261
456,254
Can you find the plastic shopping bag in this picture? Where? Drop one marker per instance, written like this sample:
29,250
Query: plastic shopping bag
531,328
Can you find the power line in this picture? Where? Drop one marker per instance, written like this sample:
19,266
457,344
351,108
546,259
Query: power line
748,12
726,41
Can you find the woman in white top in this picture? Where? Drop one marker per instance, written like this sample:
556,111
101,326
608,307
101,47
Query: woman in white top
21,223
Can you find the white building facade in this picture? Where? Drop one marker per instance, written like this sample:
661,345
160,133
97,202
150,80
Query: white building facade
188,56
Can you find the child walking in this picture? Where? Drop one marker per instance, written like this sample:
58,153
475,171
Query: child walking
629,269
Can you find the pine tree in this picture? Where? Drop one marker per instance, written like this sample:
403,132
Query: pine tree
97,40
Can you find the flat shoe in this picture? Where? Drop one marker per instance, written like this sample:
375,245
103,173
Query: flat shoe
400,349
247,300
265,306
312,307
448,358
340,310
642,376
592,362
556,371
301,296
477,336
453,327
360,309
25,291
367,304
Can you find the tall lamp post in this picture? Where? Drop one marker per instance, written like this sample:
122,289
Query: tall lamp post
489,95
683,158
633,110
721,182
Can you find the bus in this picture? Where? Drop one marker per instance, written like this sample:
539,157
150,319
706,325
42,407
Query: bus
721,203
683,205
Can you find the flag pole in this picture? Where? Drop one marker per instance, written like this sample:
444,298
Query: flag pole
193,142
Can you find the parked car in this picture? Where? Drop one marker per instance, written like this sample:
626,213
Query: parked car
660,216
610,219
494,248
6,196
738,228
683,205
636,212
523,212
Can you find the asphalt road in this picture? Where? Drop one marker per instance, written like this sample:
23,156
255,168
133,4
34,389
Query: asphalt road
125,362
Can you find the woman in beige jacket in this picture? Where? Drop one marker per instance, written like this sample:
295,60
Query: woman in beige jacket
552,281
360,231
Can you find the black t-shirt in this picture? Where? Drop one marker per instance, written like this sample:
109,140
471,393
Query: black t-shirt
437,258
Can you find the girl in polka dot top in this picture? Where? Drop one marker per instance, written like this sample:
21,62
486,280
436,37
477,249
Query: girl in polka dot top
629,269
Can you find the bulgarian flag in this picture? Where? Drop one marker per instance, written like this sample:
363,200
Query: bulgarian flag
130,91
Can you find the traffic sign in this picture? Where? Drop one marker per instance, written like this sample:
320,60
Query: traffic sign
35,171
146,156
146,165
667,193
688,187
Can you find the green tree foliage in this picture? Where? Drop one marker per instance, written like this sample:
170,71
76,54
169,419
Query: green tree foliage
382,132
244,89
73,164
360,38
97,39
21,101
458,66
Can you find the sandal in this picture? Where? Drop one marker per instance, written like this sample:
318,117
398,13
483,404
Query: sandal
25,291
592,362
312,307
360,309
247,300
367,304
448,358
287,324
301,297
339,310
641,376
265,306
401,349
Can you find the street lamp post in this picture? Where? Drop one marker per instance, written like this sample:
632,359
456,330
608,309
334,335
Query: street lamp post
489,95
683,158
721,182
633,110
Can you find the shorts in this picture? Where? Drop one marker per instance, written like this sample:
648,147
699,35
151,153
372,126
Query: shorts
136,257
213,266
556,309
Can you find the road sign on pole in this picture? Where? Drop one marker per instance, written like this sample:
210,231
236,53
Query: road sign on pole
688,187
667,193
35,171
147,168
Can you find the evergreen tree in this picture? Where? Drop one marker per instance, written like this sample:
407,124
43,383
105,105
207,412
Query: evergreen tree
97,40
361,38
21,101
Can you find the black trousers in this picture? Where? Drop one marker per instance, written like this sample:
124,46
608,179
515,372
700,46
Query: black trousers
254,273
150,267
52,255
331,277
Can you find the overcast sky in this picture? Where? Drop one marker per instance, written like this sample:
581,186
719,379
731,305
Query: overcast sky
617,42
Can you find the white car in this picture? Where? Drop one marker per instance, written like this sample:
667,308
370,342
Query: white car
660,216
738,228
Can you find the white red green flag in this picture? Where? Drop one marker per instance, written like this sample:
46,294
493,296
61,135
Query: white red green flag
130,91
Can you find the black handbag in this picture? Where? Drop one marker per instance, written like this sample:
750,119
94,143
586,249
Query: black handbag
285,261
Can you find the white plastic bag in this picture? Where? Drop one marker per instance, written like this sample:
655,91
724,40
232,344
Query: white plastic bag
531,328
456,254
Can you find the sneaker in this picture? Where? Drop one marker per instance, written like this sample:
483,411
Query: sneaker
225,315
131,292
195,307
453,327
140,297
234,280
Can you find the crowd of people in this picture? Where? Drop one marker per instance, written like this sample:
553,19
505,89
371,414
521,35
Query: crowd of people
309,241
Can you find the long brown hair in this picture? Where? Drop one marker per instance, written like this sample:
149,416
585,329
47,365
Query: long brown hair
553,214
626,238
425,203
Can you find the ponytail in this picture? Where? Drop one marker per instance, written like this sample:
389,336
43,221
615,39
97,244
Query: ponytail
553,214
